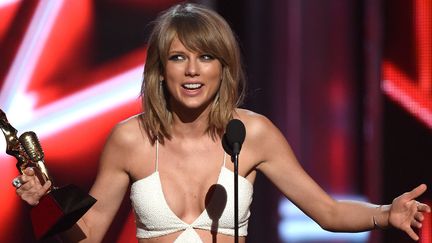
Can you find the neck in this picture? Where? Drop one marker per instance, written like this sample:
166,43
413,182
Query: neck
190,122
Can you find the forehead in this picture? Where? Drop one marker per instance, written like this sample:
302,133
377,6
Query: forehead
176,45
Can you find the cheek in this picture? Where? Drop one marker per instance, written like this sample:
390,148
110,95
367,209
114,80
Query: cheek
169,87
215,73
168,81
174,70
171,77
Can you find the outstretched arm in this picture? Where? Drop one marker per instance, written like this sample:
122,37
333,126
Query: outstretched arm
279,164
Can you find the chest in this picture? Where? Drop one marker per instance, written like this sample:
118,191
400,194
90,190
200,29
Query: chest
188,172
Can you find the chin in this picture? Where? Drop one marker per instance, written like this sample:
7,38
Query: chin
193,104
197,105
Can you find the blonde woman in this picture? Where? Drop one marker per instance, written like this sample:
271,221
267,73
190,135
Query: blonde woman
172,159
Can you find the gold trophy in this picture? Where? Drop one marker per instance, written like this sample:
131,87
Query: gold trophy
61,207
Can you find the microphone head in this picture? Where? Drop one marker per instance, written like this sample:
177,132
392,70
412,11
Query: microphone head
226,146
235,132
234,137
31,145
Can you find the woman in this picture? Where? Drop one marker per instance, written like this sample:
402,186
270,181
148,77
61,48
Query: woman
171,155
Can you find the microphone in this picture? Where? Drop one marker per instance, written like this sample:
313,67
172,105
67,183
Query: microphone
232,141
32,147
234,137
30,142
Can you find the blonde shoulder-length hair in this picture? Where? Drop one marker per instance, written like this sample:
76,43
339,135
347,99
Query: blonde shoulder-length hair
204,31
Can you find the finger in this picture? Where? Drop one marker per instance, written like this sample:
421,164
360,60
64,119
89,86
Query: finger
423,207
25,187
29,171
25,178
22,190
30,186
43,190
30,179
30,199
33,203
416,192
46,187
416,224
419,216
27,175
412,234
16,182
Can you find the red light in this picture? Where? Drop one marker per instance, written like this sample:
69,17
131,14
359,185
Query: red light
426,231
414,94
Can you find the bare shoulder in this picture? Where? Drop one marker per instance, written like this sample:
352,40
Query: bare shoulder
263,138
127,144
128,133
257,125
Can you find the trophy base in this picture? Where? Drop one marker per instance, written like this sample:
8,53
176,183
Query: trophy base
59,210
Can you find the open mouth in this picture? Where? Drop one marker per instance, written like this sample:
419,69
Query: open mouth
192,86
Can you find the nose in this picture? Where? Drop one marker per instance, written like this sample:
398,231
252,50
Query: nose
192,68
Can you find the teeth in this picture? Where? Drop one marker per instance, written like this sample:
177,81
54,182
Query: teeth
192,86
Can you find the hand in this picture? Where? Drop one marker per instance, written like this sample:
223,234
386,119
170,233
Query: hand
31,189
406,213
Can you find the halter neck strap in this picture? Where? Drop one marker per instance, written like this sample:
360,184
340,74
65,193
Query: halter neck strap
157,155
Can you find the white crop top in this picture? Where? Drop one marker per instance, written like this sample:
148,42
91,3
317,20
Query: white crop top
154,217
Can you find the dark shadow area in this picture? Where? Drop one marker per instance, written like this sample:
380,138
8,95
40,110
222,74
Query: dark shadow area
215,201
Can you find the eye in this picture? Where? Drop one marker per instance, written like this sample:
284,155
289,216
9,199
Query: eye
207,57
176,57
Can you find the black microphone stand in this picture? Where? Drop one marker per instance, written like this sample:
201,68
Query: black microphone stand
234,159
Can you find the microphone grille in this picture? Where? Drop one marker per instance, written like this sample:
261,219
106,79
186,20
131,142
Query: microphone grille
31,145
235,132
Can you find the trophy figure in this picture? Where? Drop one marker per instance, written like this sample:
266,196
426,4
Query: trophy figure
61,207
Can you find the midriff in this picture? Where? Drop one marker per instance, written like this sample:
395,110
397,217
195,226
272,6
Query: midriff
206,237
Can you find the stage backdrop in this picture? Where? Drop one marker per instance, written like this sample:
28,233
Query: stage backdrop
347,82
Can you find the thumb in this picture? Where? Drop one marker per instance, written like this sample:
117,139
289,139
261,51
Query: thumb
46,186
29,171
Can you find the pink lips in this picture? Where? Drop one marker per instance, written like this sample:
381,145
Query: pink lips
192,88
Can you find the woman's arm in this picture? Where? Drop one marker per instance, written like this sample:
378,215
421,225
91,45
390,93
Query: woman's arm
109,188
279,164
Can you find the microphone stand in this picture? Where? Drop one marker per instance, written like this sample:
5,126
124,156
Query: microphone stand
231,142
234,159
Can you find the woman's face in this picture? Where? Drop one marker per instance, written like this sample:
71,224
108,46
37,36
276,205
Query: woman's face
192,79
